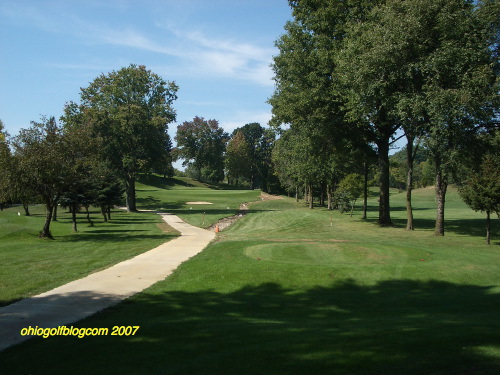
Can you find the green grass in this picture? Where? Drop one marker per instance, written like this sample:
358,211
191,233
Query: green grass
172,195
31,265
288,290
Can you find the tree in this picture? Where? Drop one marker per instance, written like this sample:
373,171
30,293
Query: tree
308,93
269,183
130,110
425,66
50,162
349,190
238,159
253,134
481,190
107,190
461,87
297,162
257,165
202,143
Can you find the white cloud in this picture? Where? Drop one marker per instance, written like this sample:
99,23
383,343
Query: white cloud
134,39
242,118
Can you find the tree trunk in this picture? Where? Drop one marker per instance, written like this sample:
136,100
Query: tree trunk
130,187
352,207
329,195
104,213
252,179
488,228
49,211
54,214
311,199
109,212
297,194
384,215
322,195
365,191
441,186
26,209
73,217
409,183
91,223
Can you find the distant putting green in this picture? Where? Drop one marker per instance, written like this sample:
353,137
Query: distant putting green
173,195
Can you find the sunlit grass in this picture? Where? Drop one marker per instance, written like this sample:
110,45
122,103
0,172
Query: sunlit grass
32,265
173,195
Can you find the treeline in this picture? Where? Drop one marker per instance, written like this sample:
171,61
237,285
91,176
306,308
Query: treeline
242,158
117,130
351,76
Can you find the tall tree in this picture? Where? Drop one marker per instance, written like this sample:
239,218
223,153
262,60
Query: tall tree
130,109
238,159
424,66
202,143
461,87
308,95
253,134
269,182
298,161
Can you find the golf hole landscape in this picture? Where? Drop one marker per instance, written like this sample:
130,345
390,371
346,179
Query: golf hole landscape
236,187
283,290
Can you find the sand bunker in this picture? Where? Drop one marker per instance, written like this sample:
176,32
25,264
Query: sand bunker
199,202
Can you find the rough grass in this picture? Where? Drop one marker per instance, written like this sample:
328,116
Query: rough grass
287,290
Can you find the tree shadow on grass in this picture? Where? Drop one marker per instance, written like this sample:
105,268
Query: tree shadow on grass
475,227
466,227
394,327
152,203
115,236
162,182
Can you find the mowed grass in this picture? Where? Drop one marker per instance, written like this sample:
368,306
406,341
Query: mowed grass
31,265
288,290
173,194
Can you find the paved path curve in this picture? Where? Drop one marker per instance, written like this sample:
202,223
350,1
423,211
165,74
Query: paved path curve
81,298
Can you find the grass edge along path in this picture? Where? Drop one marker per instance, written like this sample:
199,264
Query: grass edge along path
31,265
84,297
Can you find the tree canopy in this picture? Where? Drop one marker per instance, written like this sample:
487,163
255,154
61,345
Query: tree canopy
355,72
130,109
202,143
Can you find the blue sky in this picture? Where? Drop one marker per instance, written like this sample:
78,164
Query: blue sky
217,51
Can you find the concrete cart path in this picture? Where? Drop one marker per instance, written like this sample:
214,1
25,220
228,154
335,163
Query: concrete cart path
81,298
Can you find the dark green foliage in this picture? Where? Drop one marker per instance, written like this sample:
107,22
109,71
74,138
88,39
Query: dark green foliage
130,110
50,161
202,143
249,156
481,190
348,191
354,72
237,161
